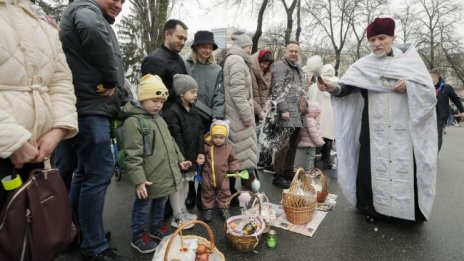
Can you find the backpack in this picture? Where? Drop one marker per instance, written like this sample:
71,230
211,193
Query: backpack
117,129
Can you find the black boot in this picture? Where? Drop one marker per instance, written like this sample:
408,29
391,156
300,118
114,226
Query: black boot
281,182
190,201
325,154
199,205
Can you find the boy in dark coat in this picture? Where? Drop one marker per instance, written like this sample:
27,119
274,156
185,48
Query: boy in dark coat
186,127
220,159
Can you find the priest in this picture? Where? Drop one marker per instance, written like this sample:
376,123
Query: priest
385,128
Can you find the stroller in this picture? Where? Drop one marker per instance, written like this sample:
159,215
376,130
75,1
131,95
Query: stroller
118,168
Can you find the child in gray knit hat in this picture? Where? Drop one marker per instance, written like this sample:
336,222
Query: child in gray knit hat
186,128
183,83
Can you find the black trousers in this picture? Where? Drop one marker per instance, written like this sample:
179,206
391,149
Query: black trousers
286,151
440,125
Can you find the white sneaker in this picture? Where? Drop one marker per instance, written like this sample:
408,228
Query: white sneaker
189,215
178,221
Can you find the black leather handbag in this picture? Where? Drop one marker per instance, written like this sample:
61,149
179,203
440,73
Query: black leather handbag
36,222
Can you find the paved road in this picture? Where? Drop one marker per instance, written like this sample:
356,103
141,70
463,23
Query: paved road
344,234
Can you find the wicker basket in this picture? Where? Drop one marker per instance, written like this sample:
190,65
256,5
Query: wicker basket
299,209
243,243
265,210
318,177
209,243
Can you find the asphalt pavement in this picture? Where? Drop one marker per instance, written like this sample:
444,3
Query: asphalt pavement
344,234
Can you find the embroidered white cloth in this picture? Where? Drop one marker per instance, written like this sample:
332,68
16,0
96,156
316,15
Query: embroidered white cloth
402,127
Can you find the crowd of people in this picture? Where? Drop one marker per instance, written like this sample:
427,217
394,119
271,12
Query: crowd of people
196,118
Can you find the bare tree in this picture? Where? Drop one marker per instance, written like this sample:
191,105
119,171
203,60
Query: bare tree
289,11
141,31
274,40
298,22
365,12
436,16
406,18
259,26
334,18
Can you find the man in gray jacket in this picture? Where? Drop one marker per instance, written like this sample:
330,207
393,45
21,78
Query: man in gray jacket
287,91
93,55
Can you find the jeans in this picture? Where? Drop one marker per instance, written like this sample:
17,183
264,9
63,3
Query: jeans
65,159
95,166
440,125
309,155
140,211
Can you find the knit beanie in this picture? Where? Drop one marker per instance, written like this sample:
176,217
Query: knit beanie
150,87
265,56
241,39
183,83
220,127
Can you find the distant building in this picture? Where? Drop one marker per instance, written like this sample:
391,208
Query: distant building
221,37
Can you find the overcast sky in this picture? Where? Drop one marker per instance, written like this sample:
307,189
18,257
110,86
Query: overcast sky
202,15
205,17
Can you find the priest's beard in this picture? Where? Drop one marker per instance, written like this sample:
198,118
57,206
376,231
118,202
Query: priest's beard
381,52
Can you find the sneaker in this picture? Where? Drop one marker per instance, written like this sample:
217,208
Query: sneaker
106,255
178,221
144,244
225,214
189,215
269,168
281,182
208,215
158,234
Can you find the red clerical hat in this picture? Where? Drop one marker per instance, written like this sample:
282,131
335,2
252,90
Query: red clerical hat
381,26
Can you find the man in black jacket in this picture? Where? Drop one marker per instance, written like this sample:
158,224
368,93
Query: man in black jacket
93,55
444,93
166,61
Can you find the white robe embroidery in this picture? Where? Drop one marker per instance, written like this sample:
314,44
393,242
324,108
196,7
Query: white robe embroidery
402,126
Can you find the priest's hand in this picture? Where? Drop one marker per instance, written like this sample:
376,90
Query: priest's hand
400,86
326,85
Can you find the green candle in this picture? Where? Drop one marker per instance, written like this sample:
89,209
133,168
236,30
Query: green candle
271,241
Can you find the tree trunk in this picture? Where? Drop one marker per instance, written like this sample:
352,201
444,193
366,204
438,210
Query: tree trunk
289,11
259,26
162,14
298,22
337,61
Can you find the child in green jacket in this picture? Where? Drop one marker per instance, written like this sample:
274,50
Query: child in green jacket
152,160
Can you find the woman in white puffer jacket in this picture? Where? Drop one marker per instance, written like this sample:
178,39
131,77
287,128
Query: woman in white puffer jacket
37,101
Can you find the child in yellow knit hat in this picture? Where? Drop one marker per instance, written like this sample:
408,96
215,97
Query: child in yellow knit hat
149,151
220,159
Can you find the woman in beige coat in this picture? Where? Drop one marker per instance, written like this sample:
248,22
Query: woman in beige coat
239,101
37,101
